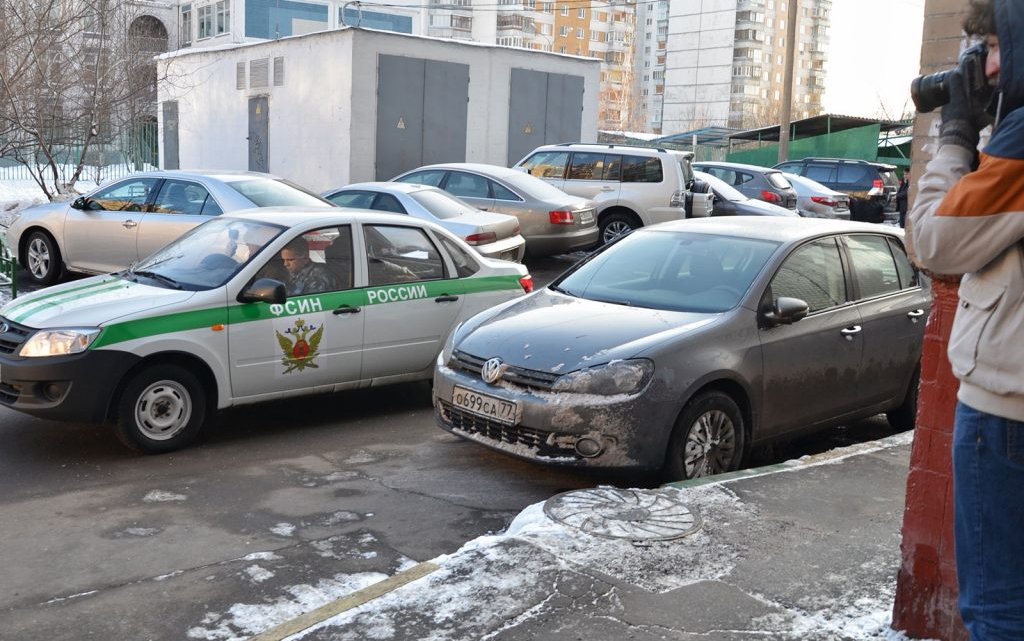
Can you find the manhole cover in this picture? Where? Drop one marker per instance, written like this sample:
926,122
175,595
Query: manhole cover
639,515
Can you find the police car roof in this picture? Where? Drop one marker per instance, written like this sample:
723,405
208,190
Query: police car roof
300,216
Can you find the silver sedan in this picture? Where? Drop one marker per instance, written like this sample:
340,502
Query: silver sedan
552,221
685,344
814,200
127,220
490,234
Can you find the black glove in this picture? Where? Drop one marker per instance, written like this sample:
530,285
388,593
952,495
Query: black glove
965,114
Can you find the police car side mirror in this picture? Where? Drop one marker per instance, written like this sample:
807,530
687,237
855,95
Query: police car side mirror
264,290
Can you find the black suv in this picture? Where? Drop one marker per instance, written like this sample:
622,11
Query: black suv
872,186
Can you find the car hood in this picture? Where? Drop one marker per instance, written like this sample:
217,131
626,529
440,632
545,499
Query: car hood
554,332
38,211
91,302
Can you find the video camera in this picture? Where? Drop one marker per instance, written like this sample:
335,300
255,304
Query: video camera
932,91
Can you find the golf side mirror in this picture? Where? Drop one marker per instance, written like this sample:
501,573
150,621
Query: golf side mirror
786,311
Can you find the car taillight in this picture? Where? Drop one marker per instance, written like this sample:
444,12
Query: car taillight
771,197
482,239
563,217
527,283
822,200
678,199
878,184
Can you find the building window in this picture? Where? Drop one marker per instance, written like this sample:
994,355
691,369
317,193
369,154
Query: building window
582,13
549,7
185,34
561,50
563,31
565,9
580,34
462,22
223,17
204,20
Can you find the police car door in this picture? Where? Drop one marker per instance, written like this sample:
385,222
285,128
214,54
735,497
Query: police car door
411,301
313,341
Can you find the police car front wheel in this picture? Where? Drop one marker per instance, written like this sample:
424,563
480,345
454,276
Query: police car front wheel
163,408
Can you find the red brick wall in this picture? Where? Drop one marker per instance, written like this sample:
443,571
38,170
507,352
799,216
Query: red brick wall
925,605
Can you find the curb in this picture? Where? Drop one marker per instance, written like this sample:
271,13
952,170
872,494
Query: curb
823,458
354,600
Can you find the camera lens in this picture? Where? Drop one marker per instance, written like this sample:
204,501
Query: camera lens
930,92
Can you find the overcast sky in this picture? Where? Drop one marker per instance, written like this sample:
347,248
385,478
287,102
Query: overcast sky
875,52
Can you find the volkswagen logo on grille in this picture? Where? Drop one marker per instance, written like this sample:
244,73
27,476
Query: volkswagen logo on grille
4,327
491,371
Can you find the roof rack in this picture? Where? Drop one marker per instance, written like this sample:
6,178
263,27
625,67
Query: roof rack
614,146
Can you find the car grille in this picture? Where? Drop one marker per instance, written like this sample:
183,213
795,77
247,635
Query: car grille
517,375
490,430
8,394
14,335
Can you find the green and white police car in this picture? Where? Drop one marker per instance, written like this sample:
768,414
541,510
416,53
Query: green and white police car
246,307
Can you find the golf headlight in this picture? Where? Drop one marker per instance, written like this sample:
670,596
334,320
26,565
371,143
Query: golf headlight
617,377
449,345
58,342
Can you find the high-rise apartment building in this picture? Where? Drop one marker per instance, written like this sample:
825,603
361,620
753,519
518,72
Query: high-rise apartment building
651,54
725,63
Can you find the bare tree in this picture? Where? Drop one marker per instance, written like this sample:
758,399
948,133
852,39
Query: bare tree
74,76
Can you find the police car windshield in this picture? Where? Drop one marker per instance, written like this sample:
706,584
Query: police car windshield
206,257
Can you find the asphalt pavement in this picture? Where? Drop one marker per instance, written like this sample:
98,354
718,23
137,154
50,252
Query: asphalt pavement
807,549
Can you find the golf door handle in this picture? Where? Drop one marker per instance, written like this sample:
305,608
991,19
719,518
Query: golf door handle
850,332
607,188
128,224
346,309
445,298
916,314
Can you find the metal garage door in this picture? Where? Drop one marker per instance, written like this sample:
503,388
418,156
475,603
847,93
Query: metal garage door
259,131
543,108
421,113
171,161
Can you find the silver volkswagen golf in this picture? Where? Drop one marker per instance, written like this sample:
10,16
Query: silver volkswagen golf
684,344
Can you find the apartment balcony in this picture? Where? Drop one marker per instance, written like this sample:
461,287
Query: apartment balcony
459,6
516,22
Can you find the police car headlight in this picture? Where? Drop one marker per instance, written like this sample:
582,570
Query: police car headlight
617,377
58,342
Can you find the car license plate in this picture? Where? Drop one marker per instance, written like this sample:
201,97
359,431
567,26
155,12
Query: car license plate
485,405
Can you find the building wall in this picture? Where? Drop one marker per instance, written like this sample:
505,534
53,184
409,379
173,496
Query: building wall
529,24
323,119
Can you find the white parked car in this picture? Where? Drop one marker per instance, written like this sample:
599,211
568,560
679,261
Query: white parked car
129,219
632,186
207,322
493,235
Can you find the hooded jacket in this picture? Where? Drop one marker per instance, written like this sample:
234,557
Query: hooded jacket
972,223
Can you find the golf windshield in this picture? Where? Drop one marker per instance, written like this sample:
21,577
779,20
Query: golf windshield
670,270
206,257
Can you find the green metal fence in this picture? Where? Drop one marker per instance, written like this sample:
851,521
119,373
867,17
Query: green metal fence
8,269
859,143
135,150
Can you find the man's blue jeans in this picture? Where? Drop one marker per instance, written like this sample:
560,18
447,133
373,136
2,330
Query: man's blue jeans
988,488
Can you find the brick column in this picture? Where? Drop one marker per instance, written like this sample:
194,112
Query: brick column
926,590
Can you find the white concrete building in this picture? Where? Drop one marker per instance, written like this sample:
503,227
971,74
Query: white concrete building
349,105
725,62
